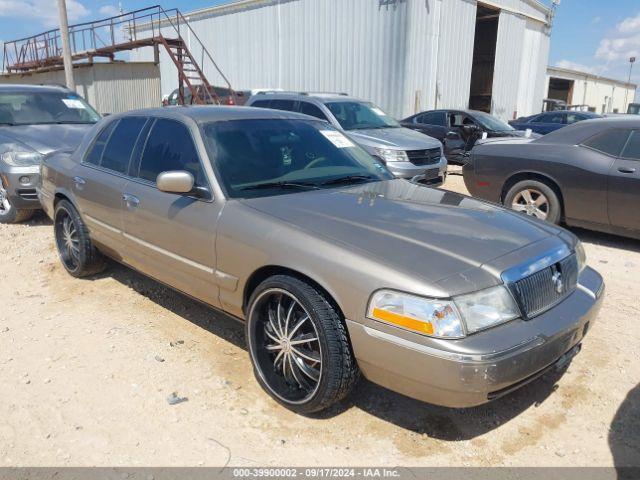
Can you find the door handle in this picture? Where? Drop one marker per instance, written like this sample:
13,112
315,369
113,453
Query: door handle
626,170
130,200
79,182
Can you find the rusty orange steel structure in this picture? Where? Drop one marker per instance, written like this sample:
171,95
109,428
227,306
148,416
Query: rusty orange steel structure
148,27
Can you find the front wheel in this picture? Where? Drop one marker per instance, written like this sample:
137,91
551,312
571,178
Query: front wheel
299,345
75,249
535,199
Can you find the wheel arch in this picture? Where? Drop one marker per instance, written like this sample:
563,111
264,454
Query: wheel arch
540,177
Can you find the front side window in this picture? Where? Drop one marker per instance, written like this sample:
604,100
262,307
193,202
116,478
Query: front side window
360,115
169,147
574,117
95,153
610,142
41,108
272,156
550,118
632,149
117,153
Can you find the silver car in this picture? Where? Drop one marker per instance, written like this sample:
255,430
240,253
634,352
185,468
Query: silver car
335,266
35,121
406,153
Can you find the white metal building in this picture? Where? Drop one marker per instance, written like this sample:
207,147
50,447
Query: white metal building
405,55
108,87
598,94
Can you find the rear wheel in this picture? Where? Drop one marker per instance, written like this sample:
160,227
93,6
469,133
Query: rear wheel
536,199
299,345
9,213
78,255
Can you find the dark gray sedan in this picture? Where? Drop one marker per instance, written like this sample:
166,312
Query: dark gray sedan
587,175
35,121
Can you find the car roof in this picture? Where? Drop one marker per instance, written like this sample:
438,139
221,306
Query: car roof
24,88
210,113
323,97
586,114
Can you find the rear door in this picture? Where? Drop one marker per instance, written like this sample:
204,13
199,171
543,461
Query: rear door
100,178
624,186
171,237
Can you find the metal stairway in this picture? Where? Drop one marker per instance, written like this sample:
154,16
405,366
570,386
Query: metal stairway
148,27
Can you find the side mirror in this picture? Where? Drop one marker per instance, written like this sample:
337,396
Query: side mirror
175,182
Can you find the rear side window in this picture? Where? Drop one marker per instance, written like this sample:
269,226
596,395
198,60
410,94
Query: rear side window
550,118
117,153
610,142
95,154
632,150
574,117
170,147
261,104
287,105
310,109
433,118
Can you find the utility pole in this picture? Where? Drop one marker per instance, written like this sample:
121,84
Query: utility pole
66,49
626,90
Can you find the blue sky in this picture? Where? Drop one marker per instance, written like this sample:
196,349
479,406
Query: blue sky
594,35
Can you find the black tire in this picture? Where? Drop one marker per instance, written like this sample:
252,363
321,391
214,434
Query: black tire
76,251
9,213
543,199
336,372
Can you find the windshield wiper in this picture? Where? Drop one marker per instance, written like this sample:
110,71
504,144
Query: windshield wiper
347,179
294,185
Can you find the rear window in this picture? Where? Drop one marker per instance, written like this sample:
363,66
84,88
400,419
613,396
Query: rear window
610,142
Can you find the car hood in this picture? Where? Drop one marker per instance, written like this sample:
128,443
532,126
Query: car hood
515,140
426,232
394,138
45,138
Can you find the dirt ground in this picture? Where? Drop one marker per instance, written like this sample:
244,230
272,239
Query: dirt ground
86,367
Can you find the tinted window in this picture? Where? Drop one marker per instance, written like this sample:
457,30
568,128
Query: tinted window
609,142
574,117
118,151
95,154
432,118
170,147
310,109
283,104
632,150
261,104
550,118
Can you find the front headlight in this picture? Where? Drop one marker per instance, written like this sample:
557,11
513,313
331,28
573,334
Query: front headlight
487,308
19,158
434,317
389,155
581,255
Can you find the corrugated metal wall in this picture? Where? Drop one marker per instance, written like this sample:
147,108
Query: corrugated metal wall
413,54
108,87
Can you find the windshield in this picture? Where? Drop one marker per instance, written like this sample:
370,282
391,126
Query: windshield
273,156
360,115
490,122
33,108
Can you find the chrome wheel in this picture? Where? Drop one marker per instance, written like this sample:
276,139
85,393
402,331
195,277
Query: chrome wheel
532,202
67,240
5,206
285,345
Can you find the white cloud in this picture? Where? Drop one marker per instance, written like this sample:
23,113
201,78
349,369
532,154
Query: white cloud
109,10
622,43
44,11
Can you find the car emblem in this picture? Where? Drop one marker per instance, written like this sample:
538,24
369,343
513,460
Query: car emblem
557,280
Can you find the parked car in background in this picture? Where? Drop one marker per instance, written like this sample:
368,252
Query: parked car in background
547,122
633,109
225,95
35,121
587,175
334,265
406,153
458,130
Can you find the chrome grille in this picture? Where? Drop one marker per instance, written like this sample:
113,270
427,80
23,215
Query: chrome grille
539,292
430,156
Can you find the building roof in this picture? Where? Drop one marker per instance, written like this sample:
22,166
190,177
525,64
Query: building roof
588,75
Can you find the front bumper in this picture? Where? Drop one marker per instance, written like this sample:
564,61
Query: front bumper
20,184
483,366
432,174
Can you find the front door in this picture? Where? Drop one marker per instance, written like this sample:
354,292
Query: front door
624,186
171,237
